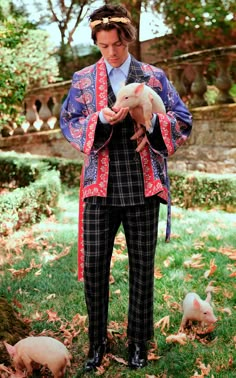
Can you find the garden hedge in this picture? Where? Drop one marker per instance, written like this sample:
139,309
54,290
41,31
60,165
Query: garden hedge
34,185
30,190
203,190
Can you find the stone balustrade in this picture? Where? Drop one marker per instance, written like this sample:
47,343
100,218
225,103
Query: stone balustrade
211,147
42,108
187,72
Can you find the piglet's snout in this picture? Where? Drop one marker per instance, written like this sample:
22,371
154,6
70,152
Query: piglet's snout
211,319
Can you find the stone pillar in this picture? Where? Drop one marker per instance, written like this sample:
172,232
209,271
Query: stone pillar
31,113
178,73
44,111
198,87
223,81
57,98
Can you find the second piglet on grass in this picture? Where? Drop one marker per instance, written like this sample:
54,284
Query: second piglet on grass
140,95
195,308
42,350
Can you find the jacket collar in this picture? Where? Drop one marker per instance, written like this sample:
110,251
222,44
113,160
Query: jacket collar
136,73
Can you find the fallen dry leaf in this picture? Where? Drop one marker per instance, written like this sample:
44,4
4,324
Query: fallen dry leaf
168,261
189,230
79,320
164,323
51,296
199,245
166,297
100,370
194,262
64,253
157,274
120,240
111,279
228,294
10,372
188,277
22,272
153,357
180,338
226,310
205,370
52,316
231,362
212,269
228,251
117,359
205,331
117,292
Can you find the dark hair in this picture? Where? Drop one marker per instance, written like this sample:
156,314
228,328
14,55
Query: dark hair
125,31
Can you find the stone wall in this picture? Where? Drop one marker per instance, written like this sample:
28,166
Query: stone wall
44,143
211,147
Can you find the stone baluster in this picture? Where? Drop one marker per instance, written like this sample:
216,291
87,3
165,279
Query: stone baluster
177,74
44,111
18,130
57,107
31,113
199,86
223,81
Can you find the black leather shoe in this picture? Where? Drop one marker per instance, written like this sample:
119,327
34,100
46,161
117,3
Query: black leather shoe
95,355
137,355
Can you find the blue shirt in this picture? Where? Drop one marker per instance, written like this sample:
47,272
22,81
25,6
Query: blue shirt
118,75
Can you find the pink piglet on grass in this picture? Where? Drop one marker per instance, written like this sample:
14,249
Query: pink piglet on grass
139,95
42,350
195,308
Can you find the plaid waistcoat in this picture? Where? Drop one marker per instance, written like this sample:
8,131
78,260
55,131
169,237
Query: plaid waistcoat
125,183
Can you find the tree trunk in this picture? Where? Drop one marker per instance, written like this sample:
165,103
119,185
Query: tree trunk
134,7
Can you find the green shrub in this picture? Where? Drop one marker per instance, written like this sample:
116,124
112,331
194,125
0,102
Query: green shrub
203,190
70,170
21,169
28,205
17,171
38,181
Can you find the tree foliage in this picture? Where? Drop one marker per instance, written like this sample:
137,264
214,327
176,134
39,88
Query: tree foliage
25,61
67,15
198,24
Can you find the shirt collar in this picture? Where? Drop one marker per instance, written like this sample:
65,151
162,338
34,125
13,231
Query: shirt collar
124,67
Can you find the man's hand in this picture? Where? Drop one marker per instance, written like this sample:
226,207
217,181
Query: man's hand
115,115
140,136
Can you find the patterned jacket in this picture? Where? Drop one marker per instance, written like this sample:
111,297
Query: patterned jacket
79,118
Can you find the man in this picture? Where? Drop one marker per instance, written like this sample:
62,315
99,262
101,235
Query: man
124,177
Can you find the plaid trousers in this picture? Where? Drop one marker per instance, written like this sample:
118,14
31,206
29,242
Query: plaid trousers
101,224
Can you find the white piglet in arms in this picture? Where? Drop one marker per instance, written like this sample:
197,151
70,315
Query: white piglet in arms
195,308
42,350
140,95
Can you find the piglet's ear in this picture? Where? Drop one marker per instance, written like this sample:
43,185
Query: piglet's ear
139,89
11,349
196,304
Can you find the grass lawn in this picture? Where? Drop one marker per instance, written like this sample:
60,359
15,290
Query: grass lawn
39,276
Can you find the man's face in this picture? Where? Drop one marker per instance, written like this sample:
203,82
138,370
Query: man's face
112,49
